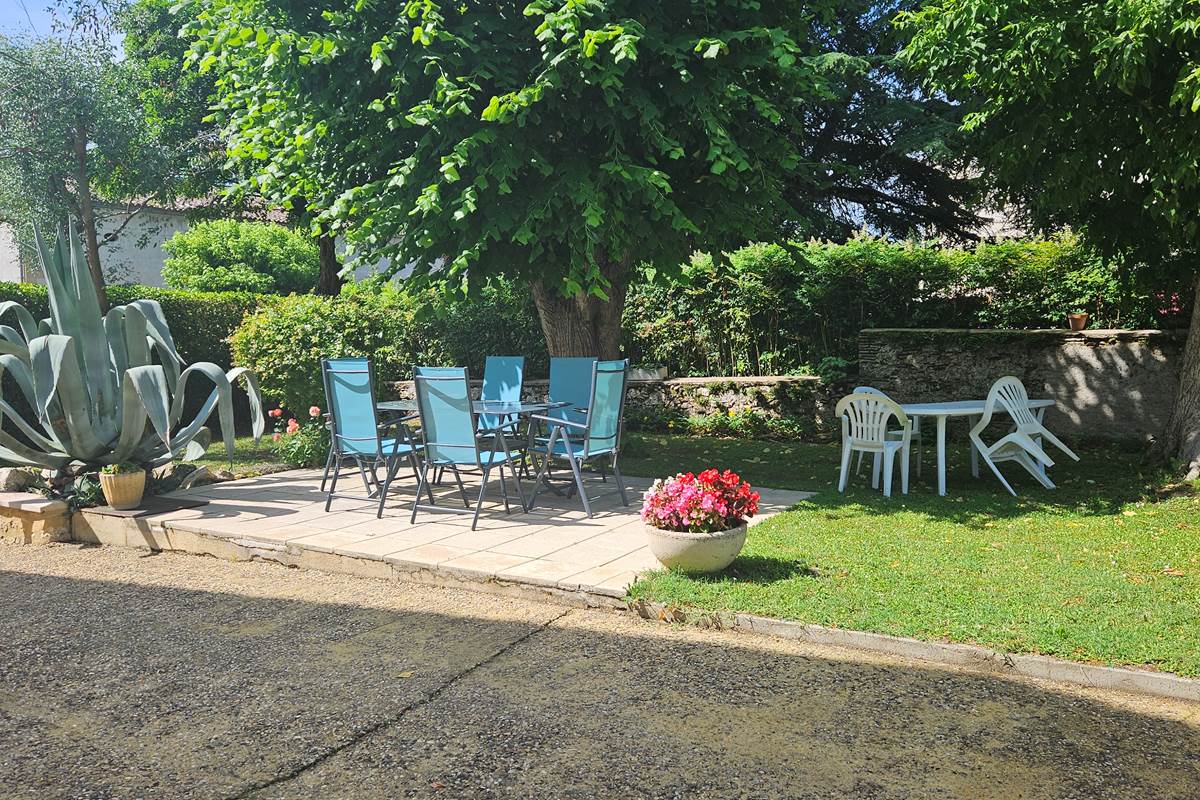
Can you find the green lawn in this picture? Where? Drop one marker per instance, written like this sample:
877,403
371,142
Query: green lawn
1102,570
248,460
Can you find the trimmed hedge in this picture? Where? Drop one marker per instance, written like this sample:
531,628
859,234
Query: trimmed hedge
200,321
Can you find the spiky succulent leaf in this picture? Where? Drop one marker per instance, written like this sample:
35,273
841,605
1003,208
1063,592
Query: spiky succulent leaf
104,389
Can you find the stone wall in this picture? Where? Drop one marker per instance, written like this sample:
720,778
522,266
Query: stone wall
1108,384
804,399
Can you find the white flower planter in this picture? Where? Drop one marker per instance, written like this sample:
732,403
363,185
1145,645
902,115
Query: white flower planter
696,552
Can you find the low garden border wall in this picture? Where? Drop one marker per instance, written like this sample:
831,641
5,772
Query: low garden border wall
1115,385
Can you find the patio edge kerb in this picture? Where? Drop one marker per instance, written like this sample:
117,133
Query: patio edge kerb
976,657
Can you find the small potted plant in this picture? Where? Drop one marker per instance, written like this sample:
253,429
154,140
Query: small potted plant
1077,320
123,485
697,523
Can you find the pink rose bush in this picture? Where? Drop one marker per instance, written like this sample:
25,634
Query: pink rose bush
706,503
301,443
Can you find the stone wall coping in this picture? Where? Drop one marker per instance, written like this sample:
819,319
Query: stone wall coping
32,503
740,380
1105,334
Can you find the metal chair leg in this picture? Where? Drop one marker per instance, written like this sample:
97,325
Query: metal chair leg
337,470
462,490
504,489
328,466
416,468
421,485
587,507
479,502
620,481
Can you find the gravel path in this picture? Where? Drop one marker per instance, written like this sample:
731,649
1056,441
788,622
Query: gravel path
127,675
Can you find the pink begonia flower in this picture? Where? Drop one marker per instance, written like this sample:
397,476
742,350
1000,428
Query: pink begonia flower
708,502
275,412
314,411
277,437
293,425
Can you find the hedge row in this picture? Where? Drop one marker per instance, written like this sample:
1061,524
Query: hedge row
780,308
200,321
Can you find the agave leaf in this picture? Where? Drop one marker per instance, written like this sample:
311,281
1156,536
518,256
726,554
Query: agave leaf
62,400
18,370
18,350
13,451
75,309
157,327
145,395
29,326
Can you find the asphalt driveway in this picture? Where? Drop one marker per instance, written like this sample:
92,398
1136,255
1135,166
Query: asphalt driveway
126,675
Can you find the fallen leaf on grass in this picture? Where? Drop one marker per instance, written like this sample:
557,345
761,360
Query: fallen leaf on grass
1172,571
405,674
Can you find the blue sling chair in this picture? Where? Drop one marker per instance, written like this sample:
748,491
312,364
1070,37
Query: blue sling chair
597,435
356,433
503,377
452,438
570,382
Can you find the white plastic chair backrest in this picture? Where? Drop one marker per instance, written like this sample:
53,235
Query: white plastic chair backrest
865,416
869,390
1010,393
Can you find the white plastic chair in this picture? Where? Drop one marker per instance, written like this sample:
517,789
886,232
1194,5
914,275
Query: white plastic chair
917,439
865,417
1023,444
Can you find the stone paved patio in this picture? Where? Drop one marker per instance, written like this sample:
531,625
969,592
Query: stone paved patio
282,515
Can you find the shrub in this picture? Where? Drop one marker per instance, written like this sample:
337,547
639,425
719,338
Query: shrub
779,308
230,255
286,339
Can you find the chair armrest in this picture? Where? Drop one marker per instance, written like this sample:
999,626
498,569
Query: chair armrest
557,421
502,426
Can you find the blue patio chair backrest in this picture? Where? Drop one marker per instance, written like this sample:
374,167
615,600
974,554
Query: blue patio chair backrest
444,403
502,380
571,382
606,405
350,399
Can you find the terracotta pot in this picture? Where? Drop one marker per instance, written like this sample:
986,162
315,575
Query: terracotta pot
696,552
1077,322
124,490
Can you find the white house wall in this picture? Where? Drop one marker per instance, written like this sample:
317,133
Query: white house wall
135,256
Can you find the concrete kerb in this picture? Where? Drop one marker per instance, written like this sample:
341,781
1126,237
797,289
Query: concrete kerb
1157,684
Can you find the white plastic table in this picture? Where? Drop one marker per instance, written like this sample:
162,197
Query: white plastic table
959,408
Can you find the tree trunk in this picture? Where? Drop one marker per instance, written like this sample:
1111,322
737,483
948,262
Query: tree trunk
1181,438
329,281
583,325
88,217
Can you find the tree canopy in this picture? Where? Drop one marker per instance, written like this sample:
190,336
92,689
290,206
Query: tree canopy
558,142
1086,114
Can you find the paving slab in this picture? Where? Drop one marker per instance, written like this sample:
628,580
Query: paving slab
601,555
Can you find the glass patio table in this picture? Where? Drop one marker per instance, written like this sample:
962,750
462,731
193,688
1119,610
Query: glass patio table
499,408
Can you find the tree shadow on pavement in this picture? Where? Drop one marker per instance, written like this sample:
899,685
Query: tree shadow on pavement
202,683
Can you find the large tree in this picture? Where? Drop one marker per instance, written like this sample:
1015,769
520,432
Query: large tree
70,131
1086,114
559,142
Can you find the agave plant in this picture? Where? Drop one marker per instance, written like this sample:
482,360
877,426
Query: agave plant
103,389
